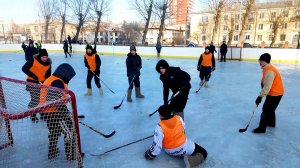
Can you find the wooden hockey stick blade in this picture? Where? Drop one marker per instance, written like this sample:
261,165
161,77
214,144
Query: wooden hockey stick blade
109,135
80,116
115,107
243,130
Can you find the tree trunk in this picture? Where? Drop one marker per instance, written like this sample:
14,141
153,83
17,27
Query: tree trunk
162,23
46,29
63,18
99,14
250,3
275,32
298,46
78,28
230,34
149,12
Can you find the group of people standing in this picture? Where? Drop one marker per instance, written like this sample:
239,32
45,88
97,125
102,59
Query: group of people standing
169,133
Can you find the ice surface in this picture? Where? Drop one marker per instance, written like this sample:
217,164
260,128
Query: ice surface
213,116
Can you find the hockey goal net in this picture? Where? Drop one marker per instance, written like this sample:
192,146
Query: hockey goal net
49,140
233,53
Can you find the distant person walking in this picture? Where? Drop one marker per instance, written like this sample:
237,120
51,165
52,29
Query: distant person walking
223,51
212,49
158,48
30,51
70,44
66,47
38,45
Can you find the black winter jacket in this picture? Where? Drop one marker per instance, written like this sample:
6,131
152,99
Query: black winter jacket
29,52
133,64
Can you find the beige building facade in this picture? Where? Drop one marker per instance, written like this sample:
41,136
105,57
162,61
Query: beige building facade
259,28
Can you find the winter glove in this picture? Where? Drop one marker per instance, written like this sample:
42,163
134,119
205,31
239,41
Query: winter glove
258,100
35,77
149,156
198,68
213,68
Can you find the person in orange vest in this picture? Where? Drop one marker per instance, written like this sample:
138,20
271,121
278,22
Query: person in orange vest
58,118
273,89
169,135
206,64
37,70
92,62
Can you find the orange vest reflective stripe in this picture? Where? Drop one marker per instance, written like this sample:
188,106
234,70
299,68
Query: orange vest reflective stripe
206,59
277,85
173,133
44,92
39,70
91,61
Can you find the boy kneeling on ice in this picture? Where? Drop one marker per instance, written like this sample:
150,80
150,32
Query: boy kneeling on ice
169,134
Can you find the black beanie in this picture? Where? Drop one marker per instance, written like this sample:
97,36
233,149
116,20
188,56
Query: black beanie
43,52
161,63
65,72
132,47
89,47
265,57
165,111
207,48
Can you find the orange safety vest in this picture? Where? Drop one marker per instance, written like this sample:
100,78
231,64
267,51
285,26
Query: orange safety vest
173,133
277,85
91,61
39,70
44,92
206,59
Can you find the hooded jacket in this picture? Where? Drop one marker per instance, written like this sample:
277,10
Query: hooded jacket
133,64
29,52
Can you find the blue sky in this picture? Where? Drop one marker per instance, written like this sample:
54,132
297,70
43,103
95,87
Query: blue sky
24,11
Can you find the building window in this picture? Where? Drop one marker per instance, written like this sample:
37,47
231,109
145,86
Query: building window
247,37
205,19
248,27
116,34
298,13
284,25
237,16
225,28
259,37
271,26
297,25
273,15
224,37
236,37
282,37
36,28
203,38
225,17
271,37
236,27
286,13
260,27
261,15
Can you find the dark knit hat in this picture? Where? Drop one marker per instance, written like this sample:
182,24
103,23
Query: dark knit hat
207,47
43,52
89,47
132,47
65,72
161,63
265,57
165,111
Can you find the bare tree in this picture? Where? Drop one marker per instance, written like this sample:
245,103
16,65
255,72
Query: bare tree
196,36
62,12
230,30
144,7
100,7
249,6
48,10
81,9
130,33
161,10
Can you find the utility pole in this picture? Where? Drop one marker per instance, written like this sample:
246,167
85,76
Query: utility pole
186,24
240,19
3,33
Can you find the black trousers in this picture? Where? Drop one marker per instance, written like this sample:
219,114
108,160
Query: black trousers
66,51
223,57
34,97
267,117
89,78
58,123
205,72
136,82
178,103
199,149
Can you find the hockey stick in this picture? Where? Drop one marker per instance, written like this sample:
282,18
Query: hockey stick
106,136
168,103
203,83
115,107
103,82
245,129
122,146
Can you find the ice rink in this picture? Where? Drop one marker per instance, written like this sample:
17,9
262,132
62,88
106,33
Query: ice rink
213,116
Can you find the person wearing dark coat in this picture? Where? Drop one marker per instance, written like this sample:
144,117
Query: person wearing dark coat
66,47
133,65
30,51
37,71
92,62
177,80
212,49
158,48
59,121
24,46
223,51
